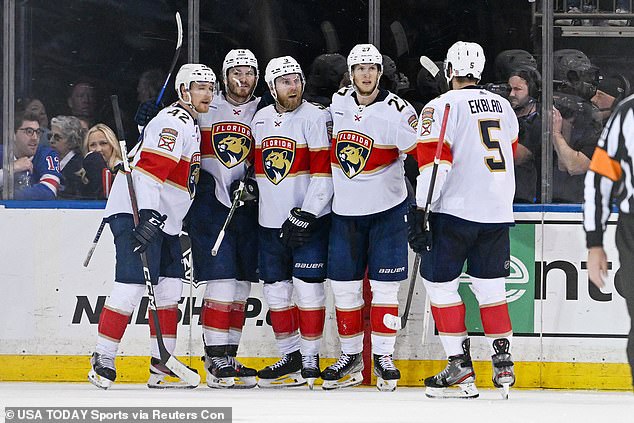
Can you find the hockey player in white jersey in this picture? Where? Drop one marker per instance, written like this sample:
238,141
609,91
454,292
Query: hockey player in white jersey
164,171
472,210
373,129
226,150
292,139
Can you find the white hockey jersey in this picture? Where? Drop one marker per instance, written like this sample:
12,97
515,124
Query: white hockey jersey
292,162
164,170
476,179
369,146
226,142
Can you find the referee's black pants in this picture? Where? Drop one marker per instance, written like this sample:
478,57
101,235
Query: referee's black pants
624,278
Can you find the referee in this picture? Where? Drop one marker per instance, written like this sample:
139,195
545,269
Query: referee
611,177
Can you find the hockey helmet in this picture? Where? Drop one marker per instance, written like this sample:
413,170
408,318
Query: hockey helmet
364,53
465,59
193,72
239,57
280,66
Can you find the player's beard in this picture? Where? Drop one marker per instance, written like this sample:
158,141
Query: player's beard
239,92
364,91
290,104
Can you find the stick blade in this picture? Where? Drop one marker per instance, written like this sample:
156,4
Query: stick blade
428,64
182,371
179,26
392,322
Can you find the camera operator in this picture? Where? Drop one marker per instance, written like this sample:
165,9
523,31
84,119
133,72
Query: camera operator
575,129
524,83
610,91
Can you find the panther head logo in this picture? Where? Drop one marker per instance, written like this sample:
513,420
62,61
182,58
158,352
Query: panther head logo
233,149
277,165
352,151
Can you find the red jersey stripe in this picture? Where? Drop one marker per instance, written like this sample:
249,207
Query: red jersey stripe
206,149
156,164
427,150
319,162
180,174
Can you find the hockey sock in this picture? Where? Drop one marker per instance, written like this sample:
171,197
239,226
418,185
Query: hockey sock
449,314
349,309
242,291
384,301
284,315
115,316
167,294
494,312
312,314
216,313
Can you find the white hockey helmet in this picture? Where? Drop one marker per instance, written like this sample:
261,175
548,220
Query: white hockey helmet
193,72
466,59
364,53
280,66
239,57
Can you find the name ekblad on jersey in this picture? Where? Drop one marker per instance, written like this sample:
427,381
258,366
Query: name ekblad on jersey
194,172
167,139
352,150
231,142
277,156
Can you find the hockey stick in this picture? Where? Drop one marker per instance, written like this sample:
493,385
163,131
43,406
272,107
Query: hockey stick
183,372
234,205
94,242
391,321
177,52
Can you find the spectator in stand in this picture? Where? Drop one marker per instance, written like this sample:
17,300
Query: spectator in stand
67,134
325,77
35,106
82,101
524,98
148,89
100,163
36,167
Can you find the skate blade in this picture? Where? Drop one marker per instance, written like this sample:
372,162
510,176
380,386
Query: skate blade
247,382
311,382
219,383
285,381
386,385
352,379
98,381
157,381
464,390
504,391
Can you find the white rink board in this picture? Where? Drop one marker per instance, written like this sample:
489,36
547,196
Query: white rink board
42,251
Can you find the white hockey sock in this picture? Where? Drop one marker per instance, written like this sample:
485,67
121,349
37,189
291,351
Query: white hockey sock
384,301
312,312
284,315
243,289
217,311
349,305
167,293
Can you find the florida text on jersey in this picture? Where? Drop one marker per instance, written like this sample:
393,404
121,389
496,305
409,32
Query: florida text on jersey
226,142
290,149
368,150
165,170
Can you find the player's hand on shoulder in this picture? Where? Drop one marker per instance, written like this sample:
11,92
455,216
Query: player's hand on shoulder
420,238
148,230
297,228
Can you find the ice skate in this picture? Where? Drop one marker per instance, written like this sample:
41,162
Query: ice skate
283,374
344,373
310,369
387,374
503,372
245,376
220,373
457,380
102,372
163,378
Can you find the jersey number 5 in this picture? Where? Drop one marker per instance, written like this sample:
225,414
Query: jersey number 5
494,164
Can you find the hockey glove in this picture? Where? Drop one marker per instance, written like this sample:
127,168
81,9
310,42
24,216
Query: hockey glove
296,230
148,230
420,239
249,195
146,112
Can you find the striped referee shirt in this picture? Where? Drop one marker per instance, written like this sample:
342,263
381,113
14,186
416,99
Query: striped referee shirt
610,173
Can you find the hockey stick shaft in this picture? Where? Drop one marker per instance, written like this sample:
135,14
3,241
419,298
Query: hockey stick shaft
166,357
95,241
389,320
234,205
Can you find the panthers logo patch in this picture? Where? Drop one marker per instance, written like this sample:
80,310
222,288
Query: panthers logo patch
353,150
277,157
426,120
231,142
194,172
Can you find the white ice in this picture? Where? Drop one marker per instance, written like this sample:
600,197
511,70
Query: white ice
363,405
